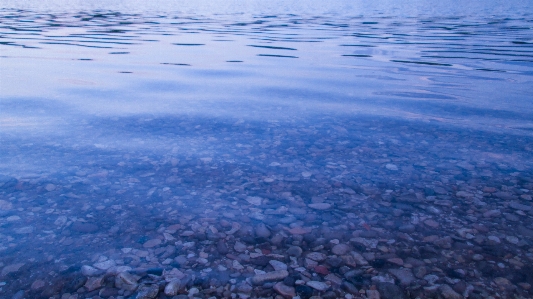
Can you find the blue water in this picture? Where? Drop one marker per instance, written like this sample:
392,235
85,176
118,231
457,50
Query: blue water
128,117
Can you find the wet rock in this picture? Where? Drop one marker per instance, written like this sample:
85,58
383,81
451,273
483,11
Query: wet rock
277,265
316,256
13,268
152,243
105,264
37,285
94,283
373,294
254,200
518,206
148,292
341,249
317,285
262,231
408,228
405,276
126,281
90,271
84,227
304,291
19,295
349,288
294,251
319,206
389,290
284,290
222,248
448,293
270,276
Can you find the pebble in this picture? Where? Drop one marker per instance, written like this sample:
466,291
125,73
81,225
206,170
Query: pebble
316,256
284,290
320,206
152,243
126,281
317,285
94,283
269,276
13,268
148,292
277,265
341,249
294,251
262,231
448,293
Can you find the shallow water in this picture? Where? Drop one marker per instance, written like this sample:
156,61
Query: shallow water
201,141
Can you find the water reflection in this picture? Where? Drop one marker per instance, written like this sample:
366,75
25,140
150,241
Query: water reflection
334,152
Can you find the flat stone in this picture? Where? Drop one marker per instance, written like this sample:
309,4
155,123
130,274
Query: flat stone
294,251
126,281
94,283
317,285
431,223
105,264
341,249
172,288
448,293
38,284
391,167
254,200
84,227
269,276
152,243
319,206
389,290
24,230
262,231
284,290
11,269
519,206
396,260
148,292
316,256
405,276
277,265
5,205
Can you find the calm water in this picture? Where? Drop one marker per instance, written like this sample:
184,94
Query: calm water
131,130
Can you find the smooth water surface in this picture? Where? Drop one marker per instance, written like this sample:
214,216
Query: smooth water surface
165,135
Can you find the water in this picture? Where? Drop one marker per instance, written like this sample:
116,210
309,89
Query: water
166,135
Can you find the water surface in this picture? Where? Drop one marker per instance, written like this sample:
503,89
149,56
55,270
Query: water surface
166,135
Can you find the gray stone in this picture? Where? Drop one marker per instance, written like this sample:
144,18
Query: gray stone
448,293
126,281
148,292
284,290
405,276
294,251
277,265
152,243
11,269
389,290
518,206
319,206
94,283
262,231
341,249
317,285
316,256
270,276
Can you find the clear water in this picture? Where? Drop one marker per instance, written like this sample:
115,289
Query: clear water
121,119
